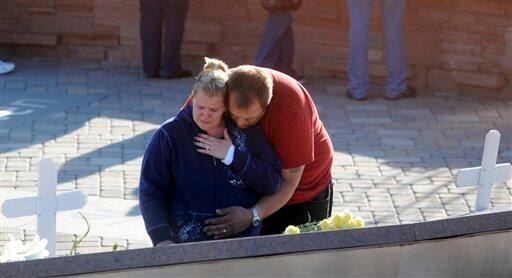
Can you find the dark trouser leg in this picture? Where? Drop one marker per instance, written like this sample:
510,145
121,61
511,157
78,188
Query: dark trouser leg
360,12
286,52
315,209
175,14
269,50
151,35
394,40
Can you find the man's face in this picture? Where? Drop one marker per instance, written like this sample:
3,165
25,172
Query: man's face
245,117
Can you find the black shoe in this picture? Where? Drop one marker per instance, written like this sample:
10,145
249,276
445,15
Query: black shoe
349,95
409,93
179,74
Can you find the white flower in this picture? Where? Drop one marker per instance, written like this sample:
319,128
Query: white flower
14,250
292,230
357,222
325,225
341,221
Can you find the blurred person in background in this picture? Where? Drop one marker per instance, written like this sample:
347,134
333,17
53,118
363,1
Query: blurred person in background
276,49
171,16
360,12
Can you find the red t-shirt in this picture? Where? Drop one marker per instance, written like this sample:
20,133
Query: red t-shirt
293,128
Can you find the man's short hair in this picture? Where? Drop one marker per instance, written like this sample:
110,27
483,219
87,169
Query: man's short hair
249,83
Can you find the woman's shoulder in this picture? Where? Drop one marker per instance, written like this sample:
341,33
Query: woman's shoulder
168,126
170,123
181,118
173,126
245,139
254,129
231,126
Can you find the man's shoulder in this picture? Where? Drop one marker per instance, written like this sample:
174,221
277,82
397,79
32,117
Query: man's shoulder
288,101
286,90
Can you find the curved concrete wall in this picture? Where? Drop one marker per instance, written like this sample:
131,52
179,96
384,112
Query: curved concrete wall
484,255
476,244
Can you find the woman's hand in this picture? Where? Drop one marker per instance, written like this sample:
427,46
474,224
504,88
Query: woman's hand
213,146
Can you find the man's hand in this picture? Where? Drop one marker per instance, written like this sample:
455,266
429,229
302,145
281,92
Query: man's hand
233,221
164,243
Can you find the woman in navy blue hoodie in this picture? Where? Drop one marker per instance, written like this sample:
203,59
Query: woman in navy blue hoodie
181,186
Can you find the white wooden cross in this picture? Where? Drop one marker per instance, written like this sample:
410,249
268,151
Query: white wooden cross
485,176
46,204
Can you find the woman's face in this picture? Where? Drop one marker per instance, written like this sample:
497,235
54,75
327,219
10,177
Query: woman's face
207,110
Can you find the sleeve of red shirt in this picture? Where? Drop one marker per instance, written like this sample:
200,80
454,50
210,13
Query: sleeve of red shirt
294,140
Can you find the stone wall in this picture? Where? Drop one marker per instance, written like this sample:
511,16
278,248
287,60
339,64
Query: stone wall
474,244
453,46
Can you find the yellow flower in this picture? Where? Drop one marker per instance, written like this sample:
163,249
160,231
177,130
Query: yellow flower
357,222
325,225
340,221
291,230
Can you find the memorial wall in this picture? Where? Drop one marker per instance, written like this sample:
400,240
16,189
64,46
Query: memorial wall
453,46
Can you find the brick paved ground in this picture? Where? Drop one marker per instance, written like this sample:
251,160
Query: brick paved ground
394,163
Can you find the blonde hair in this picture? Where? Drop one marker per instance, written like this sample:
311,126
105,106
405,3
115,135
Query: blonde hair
213,79
250,83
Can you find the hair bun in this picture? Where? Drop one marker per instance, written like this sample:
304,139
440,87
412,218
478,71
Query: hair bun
214,64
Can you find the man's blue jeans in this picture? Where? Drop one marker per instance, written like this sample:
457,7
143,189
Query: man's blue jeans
276,48
360,12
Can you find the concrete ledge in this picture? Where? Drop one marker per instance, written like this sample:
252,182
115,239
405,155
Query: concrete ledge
471,223
481,255
373,237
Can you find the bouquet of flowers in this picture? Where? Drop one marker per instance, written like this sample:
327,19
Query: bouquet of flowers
337,221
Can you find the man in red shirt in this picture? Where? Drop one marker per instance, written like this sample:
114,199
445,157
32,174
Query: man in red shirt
283,108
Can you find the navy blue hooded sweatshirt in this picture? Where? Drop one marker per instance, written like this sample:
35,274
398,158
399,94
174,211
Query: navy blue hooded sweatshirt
180,188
